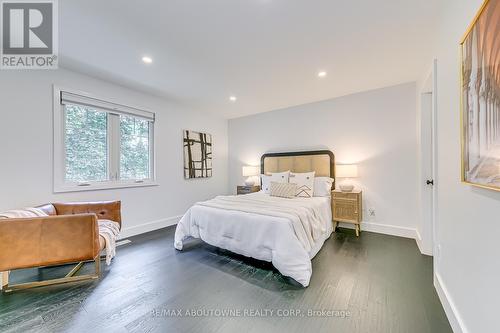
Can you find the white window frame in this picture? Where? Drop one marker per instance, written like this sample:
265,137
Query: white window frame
59,147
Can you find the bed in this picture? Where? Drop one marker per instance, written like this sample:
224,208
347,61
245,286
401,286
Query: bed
286,232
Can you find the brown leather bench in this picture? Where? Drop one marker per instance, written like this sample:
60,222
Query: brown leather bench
69,234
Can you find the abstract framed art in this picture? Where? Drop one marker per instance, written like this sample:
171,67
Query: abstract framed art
480,98
197,155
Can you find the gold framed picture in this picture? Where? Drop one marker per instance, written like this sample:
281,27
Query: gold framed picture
480,98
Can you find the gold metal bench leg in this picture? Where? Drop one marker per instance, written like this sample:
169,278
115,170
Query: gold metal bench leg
68,278
75,269
5,280
97,263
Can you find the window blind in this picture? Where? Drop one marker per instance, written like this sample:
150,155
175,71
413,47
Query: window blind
70,98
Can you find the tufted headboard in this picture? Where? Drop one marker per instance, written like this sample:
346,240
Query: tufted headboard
321,161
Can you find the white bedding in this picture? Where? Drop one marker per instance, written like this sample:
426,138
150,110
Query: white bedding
286,232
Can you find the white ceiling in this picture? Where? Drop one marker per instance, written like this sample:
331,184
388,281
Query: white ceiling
265,52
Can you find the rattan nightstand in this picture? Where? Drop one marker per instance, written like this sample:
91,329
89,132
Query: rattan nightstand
347,207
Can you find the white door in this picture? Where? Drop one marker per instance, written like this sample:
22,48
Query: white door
427,181
427,175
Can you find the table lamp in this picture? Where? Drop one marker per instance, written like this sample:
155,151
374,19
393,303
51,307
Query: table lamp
250,172
346,171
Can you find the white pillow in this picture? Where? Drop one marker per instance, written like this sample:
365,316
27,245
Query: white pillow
283,190
265,183
305,183
322,186
279,177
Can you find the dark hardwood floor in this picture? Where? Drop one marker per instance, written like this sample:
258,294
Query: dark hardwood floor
374,283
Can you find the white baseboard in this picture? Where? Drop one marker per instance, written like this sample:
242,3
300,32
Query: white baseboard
394,230
149,226
449,307
387,229
421,246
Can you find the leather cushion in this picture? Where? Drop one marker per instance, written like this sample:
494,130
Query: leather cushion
105,210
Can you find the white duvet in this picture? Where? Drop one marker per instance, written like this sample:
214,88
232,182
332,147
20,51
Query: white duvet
286,232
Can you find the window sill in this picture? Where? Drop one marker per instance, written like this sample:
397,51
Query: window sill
102,186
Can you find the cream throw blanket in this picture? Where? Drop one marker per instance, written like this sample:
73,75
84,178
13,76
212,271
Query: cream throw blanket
108,229
23,213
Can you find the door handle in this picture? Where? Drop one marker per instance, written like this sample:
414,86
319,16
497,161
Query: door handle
430,182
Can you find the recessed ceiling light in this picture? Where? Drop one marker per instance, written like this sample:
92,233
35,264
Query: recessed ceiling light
147,60
322,74
232,98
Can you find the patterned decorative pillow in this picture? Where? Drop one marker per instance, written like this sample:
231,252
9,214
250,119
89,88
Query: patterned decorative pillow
283,190
305,183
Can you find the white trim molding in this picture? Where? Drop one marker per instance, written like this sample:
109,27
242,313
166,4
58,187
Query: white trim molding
149,226
421,246
387,229
393,230
456,322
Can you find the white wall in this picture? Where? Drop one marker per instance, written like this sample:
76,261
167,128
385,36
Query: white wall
26,149
468,224
375,129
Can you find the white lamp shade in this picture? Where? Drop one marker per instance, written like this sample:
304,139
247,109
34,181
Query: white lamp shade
346,171
249,171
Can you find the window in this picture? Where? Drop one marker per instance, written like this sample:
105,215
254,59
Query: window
134,148
101,145
86,144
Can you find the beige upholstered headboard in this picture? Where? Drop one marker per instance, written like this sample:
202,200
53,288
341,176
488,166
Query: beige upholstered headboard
321,161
